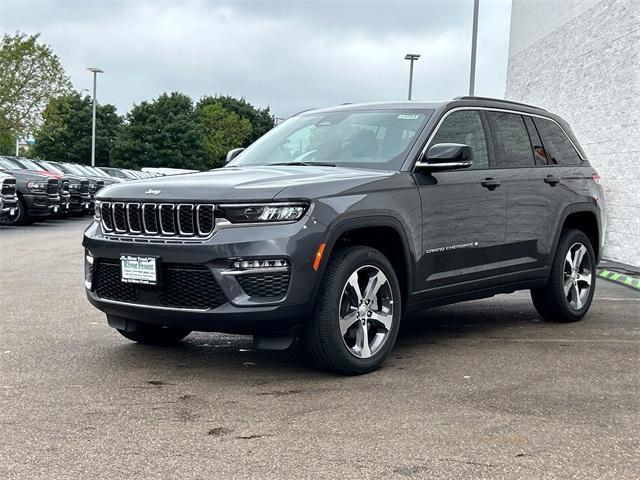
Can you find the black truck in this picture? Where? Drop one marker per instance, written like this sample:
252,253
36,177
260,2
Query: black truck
8,198
339,221
38,195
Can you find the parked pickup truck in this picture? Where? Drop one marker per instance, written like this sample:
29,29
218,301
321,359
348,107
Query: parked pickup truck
8,198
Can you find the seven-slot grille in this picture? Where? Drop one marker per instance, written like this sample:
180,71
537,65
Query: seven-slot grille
9,187
84,186
161,219
64,186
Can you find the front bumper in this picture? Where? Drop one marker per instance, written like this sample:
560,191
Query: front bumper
8,208
38,205
238,311
79,202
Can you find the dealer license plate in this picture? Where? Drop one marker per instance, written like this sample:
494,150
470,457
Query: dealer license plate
139,269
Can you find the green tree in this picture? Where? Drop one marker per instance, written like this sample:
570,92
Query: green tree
30,76
222,130
161,133
260,118
65,134
7,138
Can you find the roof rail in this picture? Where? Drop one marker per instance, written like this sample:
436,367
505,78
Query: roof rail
499,100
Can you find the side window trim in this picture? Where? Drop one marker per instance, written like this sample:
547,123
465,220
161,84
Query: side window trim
422,151
546,148
531,130
521,117
491,153
445,115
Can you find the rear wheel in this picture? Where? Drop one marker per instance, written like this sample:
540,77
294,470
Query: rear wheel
155,335
569,291
357,315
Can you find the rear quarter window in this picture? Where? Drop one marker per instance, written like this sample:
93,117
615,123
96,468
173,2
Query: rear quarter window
559,148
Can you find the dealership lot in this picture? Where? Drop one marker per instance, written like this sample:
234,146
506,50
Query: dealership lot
482,390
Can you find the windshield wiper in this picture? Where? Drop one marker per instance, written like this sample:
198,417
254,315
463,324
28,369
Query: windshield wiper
306,164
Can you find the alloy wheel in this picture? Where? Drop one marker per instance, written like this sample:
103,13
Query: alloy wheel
578,276
366,311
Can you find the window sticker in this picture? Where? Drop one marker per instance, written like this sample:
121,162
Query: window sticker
404,116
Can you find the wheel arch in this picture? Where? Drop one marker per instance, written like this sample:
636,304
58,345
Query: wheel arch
384,233
586,218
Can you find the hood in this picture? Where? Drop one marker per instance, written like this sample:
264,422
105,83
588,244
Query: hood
26,175
233,184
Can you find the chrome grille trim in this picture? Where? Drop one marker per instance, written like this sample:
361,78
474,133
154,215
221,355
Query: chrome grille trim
105,212
173,218
115,205
213,218
178,217
146,229
197,225
128,216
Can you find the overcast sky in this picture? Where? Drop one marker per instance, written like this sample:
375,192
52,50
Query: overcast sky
290,55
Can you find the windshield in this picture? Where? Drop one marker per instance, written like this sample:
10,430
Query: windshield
50,167
84,170
73,169
9,164
369,139
96,172
29,165
114,172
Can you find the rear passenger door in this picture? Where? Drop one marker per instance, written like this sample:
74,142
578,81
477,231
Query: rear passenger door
533,204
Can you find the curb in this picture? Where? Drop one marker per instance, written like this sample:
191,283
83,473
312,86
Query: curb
621,278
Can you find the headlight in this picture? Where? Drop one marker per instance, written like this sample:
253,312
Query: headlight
272,212
74,186
96,211
37,187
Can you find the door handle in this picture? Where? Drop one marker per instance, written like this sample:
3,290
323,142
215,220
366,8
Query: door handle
490,183
551,180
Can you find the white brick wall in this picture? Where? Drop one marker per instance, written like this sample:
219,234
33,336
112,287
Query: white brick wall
581,60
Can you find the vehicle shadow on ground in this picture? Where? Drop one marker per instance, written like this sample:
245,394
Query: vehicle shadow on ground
234,355
49,224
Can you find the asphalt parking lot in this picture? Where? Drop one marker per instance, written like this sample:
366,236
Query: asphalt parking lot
476,390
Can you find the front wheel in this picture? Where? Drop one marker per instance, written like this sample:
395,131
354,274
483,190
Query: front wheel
357,315
569,291
22,216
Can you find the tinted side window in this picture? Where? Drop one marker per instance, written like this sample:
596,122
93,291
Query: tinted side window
540,154
560,149
465,126
510,140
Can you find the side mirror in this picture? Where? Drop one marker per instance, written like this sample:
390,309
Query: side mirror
231,154
447,156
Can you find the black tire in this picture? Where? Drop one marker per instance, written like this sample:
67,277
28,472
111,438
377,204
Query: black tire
155,335
321,336
550,301
22,217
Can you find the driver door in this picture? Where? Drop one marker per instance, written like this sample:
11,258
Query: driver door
463,216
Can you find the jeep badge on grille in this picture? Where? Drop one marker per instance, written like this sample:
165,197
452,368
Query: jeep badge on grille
151,191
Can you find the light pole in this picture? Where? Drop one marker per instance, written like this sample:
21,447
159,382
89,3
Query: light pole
411,57
474,42
95,71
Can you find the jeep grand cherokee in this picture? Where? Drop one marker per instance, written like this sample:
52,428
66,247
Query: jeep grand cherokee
338,221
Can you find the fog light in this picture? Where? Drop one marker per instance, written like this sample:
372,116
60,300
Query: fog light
269,263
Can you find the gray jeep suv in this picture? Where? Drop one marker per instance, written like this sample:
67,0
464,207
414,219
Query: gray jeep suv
338,222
